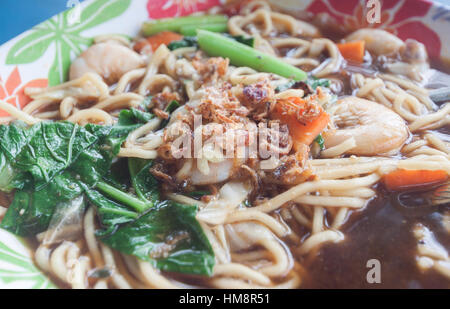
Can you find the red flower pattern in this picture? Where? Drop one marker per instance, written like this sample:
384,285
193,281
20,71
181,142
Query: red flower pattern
170,8
12,92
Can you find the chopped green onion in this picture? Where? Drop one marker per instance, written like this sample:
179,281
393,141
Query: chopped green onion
175,24
240,54
320,141
191,30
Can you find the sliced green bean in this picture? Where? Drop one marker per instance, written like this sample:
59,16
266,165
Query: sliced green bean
175,24
215,44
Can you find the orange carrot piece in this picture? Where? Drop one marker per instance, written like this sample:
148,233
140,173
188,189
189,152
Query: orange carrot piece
156,40
302,133
401,179
353,51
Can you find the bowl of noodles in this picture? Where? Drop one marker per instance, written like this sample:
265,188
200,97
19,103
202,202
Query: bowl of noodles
251,144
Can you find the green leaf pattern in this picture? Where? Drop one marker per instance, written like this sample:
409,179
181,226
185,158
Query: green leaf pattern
64,38
15,266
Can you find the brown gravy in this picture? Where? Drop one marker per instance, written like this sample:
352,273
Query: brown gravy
380,232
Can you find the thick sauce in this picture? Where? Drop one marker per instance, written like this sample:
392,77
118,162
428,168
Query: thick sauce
379,232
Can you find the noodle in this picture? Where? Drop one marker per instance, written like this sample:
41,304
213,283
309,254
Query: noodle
304,188
307,210
319,238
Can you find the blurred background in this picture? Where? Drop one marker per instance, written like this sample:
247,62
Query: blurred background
16,16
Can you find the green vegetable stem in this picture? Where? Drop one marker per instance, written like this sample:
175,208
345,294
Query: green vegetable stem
191,30
240,54
176,24
123,197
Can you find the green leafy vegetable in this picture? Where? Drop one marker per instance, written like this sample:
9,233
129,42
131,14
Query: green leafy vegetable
53,162
118,175
31,211
187,41
172,106
14,137
39,153
144,183
169,237
94,162
111,214
198,194
7,175
170,109
124,198
133,116
52,148
13,221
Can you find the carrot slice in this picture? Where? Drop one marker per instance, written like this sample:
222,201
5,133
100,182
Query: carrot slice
353,51
156,40
288,110
401,179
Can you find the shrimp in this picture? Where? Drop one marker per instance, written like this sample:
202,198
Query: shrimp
407,58
218,172
376,129
212,167
229,197
110,60
414,61
378,42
